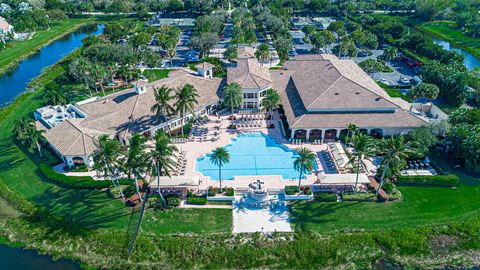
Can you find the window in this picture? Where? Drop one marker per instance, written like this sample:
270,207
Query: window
250,95
263,93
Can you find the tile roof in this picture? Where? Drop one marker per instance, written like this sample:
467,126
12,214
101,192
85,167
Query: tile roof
249,74
126,112
322,91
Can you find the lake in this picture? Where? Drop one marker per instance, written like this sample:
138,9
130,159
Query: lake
470,60
21,259
15,81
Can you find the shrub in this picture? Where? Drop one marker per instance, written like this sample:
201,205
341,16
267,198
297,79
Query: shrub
360,197
81,182
229,192
197,200
325,197
306,190
213,191
291,190
448,180
173,201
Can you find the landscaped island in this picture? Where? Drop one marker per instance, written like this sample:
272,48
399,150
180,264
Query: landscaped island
163,144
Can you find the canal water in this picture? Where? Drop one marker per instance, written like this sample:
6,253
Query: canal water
21,259
14,82
470,60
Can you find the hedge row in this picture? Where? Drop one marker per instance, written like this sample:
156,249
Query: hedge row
81,182
448,180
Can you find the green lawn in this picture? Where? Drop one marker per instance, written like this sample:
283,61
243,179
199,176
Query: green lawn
155,74
10,56
187,220
420,206
447,31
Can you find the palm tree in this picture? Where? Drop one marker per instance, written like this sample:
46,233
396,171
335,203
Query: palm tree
262,53
162,157
232,96
231,53
390,53
394,152
136,162
22,128
364,146
82,70
220,157
162,106
186,97
54,96
352,131
271,100
303,163
106,159
35,136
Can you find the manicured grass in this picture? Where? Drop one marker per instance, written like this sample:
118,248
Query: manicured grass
10,56
396,93
420,206
155,74
187,220
447,31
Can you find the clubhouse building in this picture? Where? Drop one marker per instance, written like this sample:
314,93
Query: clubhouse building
320,96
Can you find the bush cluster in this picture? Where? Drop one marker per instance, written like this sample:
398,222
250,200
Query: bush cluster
448,180
81,182
196,199
291,190
325,197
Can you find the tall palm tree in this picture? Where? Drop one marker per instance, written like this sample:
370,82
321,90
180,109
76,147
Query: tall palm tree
186,98
107,159
137,158
262,53
352,131
304,163
162,107
34,137
364,146
232,96
394,152
82,70
54,96
271,100
390,53
162,157
220,157
22,128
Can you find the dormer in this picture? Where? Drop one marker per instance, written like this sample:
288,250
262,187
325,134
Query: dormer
205,70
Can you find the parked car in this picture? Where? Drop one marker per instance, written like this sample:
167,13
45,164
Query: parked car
189,33
292,52
362,54
404,81
163,53
384,81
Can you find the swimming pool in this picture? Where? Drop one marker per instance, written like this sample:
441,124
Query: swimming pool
252,154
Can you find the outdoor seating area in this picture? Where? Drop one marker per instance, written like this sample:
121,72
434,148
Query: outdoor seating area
328,164
181,164
250,120
418,167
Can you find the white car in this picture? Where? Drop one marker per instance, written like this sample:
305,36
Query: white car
404,81
384,81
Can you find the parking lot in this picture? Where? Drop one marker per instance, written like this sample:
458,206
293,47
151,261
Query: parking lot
400,70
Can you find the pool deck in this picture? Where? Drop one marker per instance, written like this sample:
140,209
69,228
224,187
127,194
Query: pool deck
198,149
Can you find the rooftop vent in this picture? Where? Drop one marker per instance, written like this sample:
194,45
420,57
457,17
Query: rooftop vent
357,93
336,94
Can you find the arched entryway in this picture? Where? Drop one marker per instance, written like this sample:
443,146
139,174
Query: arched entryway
300,134
330,134
315,134
78,161
344,133
363,131
376,132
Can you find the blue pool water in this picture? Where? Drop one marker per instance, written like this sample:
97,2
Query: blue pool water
252,154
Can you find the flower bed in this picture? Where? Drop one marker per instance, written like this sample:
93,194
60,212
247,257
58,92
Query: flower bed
293,193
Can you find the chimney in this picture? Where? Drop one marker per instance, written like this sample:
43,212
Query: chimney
140,89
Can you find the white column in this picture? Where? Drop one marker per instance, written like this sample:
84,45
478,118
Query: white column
337,136
292,135
322,134
307,138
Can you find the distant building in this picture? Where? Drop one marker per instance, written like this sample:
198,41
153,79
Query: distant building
5,27
182,23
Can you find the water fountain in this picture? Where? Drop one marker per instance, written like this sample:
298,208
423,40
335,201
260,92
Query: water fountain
258,198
